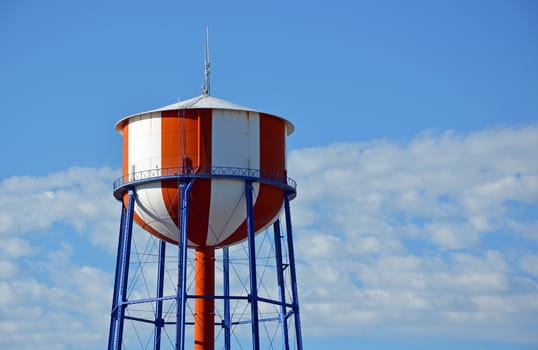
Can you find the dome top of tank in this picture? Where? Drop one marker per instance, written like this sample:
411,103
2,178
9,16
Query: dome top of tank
203,101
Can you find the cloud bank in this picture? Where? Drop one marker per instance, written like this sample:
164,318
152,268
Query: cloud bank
55,233
436,237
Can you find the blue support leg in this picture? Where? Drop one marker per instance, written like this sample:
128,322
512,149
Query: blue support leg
227,323
124,270
181,297
281,287
293,275
252,268
115,297
159,321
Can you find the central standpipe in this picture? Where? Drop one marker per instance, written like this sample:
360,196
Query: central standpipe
204,304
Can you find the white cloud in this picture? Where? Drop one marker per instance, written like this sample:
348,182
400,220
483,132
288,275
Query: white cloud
79,197
452,235
8,269
14,247
66,310
49,299
390,189
402,231
529,263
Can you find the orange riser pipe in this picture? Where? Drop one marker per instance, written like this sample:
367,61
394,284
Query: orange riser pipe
204,309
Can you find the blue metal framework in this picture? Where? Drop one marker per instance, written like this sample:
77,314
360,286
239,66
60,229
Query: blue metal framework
253,297
185,187
226,323
186,178
159,321
122,274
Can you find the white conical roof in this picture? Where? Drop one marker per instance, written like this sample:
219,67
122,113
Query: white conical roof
200,102
204,101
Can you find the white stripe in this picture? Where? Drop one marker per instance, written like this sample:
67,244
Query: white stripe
235,143
145,142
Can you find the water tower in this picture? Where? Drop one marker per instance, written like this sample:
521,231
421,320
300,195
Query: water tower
203,176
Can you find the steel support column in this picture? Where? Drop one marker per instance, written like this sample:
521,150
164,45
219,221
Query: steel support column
181,297
226,323
122,275
293,275
281,288
253,297
159,321
114,313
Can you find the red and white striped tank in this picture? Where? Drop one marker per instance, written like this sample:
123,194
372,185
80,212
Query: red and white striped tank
200,134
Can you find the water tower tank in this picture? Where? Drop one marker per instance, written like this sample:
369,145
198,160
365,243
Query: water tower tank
204,136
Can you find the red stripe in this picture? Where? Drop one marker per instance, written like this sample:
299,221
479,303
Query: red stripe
272,161
200,195
186,142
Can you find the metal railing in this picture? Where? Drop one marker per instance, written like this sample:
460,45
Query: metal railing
278,179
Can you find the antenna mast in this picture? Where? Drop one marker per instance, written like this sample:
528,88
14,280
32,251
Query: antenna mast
207,64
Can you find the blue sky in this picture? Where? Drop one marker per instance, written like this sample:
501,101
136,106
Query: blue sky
414,151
